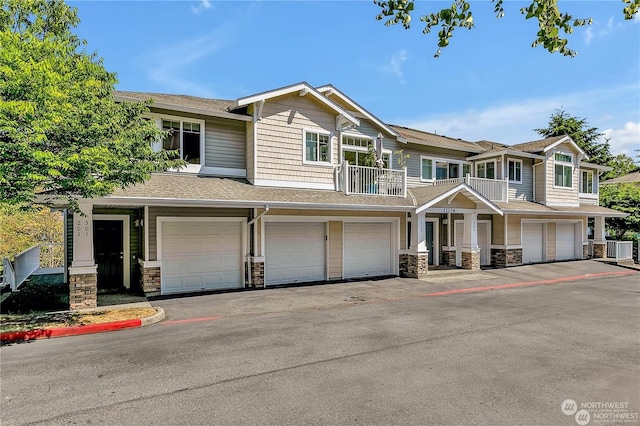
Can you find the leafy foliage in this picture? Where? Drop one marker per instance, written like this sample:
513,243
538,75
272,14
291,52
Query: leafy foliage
624,197
551,21
61,132
586,137
21,229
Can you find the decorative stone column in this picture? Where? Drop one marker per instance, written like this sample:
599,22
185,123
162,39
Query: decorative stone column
448,256
83,273
150,277
257,272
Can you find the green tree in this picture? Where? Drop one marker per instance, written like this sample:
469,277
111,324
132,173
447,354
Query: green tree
551,20
22,229
61,132
586,137
621,165
624,197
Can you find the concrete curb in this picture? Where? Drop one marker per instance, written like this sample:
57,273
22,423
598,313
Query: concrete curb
15,336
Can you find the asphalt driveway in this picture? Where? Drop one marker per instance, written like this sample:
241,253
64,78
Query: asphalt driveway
507,347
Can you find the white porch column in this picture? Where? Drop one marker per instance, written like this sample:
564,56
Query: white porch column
418,258
470,250
83,273
599,235
83,236
419,232
599,238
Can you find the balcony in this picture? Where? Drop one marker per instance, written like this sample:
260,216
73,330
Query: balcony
492,189
373,181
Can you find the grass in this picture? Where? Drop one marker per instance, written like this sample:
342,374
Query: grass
42,321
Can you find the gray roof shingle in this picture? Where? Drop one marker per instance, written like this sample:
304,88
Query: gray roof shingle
539,145
214,105
444,141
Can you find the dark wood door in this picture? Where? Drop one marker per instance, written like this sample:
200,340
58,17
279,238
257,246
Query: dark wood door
109,253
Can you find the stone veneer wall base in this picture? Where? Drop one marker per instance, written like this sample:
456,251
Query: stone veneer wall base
83,291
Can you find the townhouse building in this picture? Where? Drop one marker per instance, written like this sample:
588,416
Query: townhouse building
303,184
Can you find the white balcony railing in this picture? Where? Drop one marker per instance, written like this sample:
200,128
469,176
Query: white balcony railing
492,189
374,181
620,250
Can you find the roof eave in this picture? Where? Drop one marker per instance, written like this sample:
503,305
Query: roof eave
506,152
428,143
190,110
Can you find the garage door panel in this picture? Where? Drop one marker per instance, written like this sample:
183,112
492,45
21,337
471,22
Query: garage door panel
565,241
367,249
201,256
532,242
294,252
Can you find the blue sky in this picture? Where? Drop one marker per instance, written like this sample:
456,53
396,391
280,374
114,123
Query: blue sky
488,84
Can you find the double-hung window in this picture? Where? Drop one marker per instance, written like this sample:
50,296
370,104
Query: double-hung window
317,147
184,136
515,171
486,169
563,170
586,182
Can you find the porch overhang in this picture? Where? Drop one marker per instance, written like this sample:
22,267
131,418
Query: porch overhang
450,192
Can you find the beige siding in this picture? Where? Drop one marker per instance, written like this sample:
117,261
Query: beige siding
154,212
460,202
251,172
335,250
280,135
551,242
225,143
540,183
560,195
497,229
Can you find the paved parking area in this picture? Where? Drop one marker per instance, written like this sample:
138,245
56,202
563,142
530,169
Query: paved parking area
320,355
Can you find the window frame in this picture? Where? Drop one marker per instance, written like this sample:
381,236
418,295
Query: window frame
159,118
594,187
364,149
514,161
449,162
563,164
318,132
495,169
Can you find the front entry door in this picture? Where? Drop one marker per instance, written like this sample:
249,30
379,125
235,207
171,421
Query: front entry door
429,242
109,253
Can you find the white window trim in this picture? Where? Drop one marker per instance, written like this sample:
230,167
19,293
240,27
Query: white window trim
345,147
515,160
564,164
160,117
594,184
304,148
434,160
495,169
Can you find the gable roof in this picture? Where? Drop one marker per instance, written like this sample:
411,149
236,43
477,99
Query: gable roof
329,90
431,139
544,145
630,178
429,195
183,103
303,88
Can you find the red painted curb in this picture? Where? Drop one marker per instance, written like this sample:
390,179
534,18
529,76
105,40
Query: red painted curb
12,336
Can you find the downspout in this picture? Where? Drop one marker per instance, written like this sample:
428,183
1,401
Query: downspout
248,255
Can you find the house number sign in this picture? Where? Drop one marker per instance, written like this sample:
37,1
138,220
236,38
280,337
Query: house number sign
448,210
80,228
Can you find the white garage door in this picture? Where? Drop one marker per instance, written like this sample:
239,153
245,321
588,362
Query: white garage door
367,250
532,242
201,256
295,252
565,241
